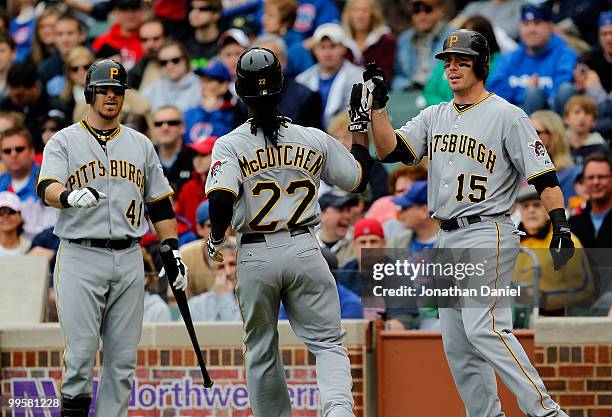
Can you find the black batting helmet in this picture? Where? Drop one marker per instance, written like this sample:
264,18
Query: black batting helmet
471,43
104,72
258,74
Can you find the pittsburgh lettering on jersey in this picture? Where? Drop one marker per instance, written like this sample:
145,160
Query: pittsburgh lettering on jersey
118,169
288,155
465,145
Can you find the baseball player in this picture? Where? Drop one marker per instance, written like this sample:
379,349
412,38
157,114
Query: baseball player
103,176
264,180
479,146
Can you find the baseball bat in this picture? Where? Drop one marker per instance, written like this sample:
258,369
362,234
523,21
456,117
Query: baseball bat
165,252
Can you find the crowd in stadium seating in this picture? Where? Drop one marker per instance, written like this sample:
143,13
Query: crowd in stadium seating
552,58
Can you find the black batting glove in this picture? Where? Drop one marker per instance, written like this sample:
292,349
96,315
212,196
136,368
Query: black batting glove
359,108
561,245
374,78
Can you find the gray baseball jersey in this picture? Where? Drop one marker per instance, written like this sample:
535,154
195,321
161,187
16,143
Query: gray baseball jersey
477,155
277,186
129,172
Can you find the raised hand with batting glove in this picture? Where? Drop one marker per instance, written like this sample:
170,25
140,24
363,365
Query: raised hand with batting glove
561,244
374,79
180,283
360,104
82,198
214,248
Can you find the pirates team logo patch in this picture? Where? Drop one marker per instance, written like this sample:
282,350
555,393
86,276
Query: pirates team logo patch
538,148
217,168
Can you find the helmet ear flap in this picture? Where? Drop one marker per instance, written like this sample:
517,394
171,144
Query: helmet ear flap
89,94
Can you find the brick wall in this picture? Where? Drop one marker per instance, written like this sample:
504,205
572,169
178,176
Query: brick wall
159,367
578,377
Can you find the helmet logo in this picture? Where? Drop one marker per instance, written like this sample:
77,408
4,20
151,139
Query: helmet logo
452,40
113,72
262,81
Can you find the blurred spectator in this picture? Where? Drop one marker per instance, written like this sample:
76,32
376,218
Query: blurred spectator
192,193
232,44
220,302
506,14
12,243
175,158
580,116
46,244
155,308
437,89
68,34
594,76
298,102
336,223
551,131
9,119
350,302
538,74
7,56
20,178
367,234
77,62
333,76
22,28
578,16
195,254
370,39
137,122
422,230
571,285
204,18
52,123
152,37
178,86
123,35
278,19
313,13
4,22
174,15
338,128
593,224
416,47
216,112
27,96
43,44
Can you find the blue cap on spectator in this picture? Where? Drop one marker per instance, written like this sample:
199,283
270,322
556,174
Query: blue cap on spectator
202,212
215,70
605,19
530,13
415,196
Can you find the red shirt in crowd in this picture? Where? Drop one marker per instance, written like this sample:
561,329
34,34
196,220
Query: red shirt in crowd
129,46
189,198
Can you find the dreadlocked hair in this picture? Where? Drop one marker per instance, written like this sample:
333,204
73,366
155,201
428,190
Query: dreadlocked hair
266,117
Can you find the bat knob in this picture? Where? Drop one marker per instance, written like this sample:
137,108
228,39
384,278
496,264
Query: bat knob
208,384
165,249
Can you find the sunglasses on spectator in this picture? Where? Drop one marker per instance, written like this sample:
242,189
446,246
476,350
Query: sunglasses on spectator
150,39
103,90
175,61
421,7
160,123
205,9
5,211
17,149
76,68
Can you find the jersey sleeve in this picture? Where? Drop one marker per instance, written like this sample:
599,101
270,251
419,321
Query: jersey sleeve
55,161
526,150
224,171
414,136
340,167
157,186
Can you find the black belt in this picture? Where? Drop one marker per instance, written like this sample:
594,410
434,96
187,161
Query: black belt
261,237
456,223
112,244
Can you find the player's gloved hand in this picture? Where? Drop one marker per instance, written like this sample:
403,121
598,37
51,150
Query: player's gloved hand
561,245
214,248
375,81
359,108
180,283
85,197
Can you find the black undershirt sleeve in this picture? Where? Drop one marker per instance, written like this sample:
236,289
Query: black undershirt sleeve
546,180
363,157
220,209
160,210
42,187
401,153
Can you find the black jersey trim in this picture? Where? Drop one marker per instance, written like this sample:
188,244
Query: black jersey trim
471,106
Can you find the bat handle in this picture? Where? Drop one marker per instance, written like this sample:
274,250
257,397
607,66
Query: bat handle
208,382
